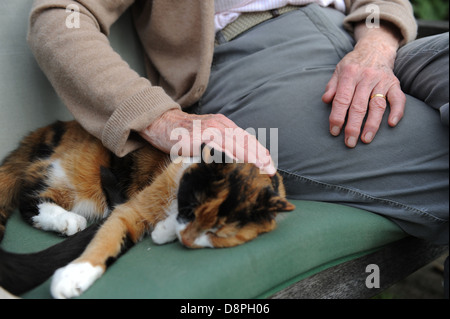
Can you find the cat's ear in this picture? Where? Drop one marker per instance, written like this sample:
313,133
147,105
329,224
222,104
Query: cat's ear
205,154
211,155
280,204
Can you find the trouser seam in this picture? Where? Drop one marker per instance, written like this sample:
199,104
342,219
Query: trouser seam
361,194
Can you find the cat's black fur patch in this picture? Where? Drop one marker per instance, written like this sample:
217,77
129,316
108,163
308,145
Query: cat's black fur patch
29,201
122,169
111,188
40,151
127,243
58,129
44,150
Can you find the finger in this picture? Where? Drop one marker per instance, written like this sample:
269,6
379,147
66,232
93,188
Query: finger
377,107
218,120
220,148
330,89
246,148
241,144
223,134
263,161
357,113
397,101
212,136
341,102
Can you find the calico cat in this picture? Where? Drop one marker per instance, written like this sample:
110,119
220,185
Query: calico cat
61,177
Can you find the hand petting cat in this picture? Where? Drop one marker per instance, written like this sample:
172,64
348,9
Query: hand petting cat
159,135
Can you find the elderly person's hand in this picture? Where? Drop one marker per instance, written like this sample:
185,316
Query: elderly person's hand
174,131
362,81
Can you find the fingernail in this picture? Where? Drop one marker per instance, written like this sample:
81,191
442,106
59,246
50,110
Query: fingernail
351,141
270,170
395,121
368,137
335,130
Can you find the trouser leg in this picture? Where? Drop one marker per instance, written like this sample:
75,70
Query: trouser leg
422,67
274,76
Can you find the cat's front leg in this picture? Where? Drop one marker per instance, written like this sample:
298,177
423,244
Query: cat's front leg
123,228
120,231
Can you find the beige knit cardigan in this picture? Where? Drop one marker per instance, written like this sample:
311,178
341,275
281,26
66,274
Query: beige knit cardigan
110,99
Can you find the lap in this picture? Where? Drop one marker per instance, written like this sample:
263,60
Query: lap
258,81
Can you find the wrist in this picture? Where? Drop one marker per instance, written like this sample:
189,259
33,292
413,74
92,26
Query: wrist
383,41
386,37
177,113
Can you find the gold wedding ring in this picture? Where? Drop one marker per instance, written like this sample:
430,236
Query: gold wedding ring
378,95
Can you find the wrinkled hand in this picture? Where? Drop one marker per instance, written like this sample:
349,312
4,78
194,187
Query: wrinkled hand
176,131
365,71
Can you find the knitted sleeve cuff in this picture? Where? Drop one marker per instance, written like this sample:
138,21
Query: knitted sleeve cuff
134,115
399,13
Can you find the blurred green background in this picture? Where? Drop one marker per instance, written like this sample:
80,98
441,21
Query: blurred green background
431,9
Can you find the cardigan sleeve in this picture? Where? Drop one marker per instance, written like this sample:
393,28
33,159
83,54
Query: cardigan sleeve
103,93
398,12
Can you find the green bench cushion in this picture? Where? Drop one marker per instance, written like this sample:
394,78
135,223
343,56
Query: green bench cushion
310,239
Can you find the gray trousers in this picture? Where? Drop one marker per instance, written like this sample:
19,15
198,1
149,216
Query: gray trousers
273,76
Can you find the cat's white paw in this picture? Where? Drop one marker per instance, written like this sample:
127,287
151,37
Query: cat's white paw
70,223
74,279
52,217
203,241
164,231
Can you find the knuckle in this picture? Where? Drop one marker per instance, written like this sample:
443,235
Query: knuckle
358,109
336,119
352,130
342,99
378,104
214,118
395,81
213,121
329,86
369,73
371,127
350,69
397,95
221,116
402,98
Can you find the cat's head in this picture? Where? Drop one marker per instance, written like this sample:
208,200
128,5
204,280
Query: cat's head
227,204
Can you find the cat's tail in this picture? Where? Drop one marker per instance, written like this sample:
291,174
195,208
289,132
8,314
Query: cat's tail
20,273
